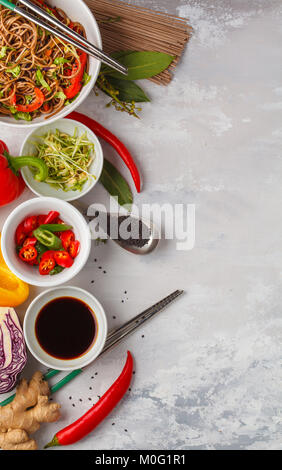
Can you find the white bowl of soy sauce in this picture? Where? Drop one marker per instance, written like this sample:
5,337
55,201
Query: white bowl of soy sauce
65,328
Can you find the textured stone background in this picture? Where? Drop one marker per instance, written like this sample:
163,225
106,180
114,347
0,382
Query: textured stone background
208,370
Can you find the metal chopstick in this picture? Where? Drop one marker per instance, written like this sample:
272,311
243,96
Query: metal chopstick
68,34
114,338
138,320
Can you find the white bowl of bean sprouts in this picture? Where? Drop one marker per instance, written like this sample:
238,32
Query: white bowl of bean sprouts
71,174
35,67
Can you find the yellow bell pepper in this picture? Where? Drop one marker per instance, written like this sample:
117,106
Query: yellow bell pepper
13,291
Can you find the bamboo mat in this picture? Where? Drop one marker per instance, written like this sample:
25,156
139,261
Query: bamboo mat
130,27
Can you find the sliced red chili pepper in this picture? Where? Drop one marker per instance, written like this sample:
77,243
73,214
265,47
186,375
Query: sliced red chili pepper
30,223
13,98
48,254
46,265
58,221
74,248
51,216
30,241
93,417
28,253
67,237
36,103
76,82
20,234
63,259
46,107
41,219
106,135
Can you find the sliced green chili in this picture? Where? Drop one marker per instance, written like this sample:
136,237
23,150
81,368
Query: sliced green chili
48,239
55,227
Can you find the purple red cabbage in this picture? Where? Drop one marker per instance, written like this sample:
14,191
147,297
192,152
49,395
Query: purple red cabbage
13,355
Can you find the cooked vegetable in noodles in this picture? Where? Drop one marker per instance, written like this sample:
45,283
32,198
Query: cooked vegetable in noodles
39,73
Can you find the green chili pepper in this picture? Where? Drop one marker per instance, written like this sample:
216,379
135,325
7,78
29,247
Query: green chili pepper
56,270
55,227
48,239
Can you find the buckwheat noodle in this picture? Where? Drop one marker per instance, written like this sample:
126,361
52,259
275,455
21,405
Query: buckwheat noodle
130,27
26,48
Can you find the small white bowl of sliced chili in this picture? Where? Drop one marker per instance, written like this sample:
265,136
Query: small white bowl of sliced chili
45,241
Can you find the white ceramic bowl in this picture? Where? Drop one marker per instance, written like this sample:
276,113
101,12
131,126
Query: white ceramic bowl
33,344
68,126
42,205
77,11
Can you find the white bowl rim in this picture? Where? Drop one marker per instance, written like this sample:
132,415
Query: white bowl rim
81,363
46,282
78,101
99,155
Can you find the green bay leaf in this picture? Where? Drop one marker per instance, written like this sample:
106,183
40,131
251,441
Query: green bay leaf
115,184
140,64
128,90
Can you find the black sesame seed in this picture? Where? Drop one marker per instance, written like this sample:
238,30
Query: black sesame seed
125,430
90,388
96,373
113,424
114,317
70,398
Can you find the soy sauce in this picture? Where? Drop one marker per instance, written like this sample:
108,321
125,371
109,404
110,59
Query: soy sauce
66,328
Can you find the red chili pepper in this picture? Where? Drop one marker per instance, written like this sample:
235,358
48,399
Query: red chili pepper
30,241
13,98
20,234
51,217
74,248
63,259
76,82
67,237
46,265
47,254
30,224
41,219
84,425
11,182
36,104
106,135
28,253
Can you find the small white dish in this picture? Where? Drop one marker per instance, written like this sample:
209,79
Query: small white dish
42,205
30,336
68,126
77,11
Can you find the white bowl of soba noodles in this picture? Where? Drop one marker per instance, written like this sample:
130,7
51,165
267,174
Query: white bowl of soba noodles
42,78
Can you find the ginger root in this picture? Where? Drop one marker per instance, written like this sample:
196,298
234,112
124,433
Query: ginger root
25,413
